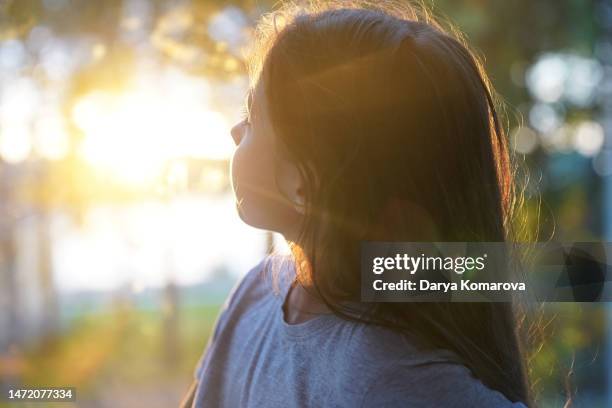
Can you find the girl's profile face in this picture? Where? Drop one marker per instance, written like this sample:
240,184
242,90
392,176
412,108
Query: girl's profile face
266,187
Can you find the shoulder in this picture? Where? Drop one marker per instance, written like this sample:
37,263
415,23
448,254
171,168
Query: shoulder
269,277
253,289
432,382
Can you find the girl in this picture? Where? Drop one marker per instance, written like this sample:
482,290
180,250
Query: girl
365,122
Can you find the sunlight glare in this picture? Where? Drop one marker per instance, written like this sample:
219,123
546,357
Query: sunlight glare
133,135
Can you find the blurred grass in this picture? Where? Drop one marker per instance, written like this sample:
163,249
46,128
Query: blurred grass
124,351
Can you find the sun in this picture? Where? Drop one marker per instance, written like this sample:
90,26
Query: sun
133,134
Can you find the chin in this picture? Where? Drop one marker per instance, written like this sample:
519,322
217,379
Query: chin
276,222
252,218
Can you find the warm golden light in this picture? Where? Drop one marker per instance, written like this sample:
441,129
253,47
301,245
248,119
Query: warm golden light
132,135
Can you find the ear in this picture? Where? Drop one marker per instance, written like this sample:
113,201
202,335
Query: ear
298,192
292,186
300,200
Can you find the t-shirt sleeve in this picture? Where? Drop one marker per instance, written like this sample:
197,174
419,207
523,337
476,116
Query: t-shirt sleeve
432,385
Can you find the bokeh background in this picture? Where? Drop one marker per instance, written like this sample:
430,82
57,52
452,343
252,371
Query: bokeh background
118,234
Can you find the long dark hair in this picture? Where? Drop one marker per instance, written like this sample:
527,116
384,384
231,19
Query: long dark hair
393,125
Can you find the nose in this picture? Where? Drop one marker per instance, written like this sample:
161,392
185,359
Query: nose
237,132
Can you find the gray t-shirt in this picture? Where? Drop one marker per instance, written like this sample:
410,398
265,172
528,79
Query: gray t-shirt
254,358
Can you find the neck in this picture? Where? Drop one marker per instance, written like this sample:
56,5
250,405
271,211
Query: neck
301,306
